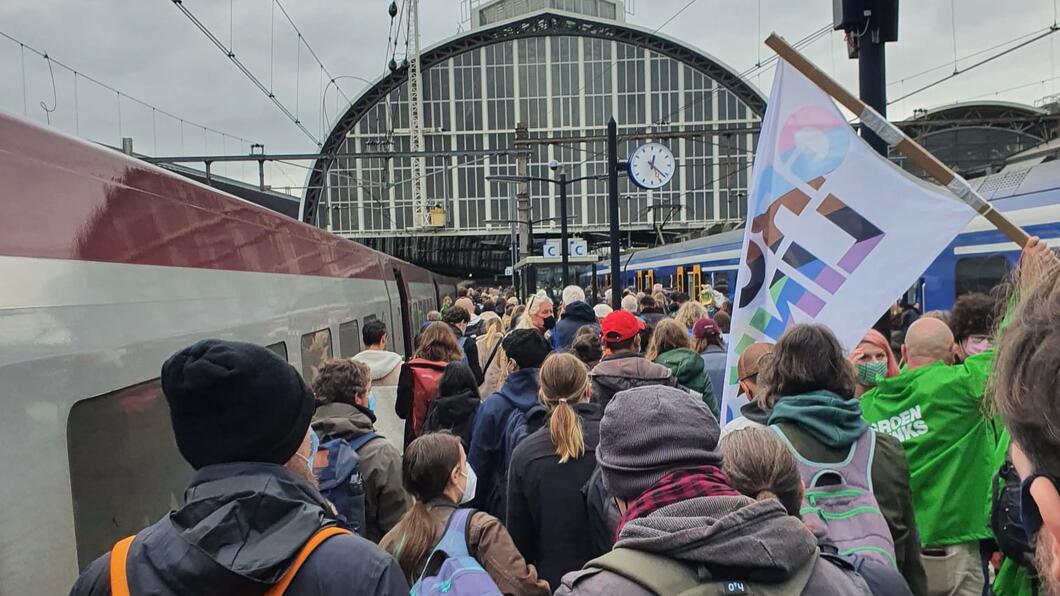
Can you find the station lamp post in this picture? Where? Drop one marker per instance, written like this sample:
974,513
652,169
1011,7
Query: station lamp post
562,182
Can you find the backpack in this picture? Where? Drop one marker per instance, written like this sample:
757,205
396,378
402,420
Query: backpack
839,501
517,426
670,577
450,569
426,376
340,480
454,413
1006,517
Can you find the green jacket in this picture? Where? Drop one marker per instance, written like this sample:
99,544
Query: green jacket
821,426
953,447
690,372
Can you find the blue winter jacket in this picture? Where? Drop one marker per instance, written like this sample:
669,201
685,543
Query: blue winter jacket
575,315
488,438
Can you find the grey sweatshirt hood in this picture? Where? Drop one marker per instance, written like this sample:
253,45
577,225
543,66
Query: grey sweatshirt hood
756,540
381,362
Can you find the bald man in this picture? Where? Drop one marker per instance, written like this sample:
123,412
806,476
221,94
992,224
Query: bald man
936,410
928,341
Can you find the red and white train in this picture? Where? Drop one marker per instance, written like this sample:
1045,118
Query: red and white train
107,266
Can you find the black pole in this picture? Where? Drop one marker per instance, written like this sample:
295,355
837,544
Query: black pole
872,83
612,210
529,274
564,249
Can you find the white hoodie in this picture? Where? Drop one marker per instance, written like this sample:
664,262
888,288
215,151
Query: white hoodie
383,364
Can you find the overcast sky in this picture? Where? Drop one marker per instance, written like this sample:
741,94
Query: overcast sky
148,49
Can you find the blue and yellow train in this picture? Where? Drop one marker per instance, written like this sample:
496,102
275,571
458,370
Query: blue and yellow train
977,259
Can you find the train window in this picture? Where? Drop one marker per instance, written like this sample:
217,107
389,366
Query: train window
279,348
125,469
368,318
721,283
316,348
349,339
979,274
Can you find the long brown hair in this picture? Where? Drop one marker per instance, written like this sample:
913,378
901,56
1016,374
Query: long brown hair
425,470
563,381
438,344
668,335
761,466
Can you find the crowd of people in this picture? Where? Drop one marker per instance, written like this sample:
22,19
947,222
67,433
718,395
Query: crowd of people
556,446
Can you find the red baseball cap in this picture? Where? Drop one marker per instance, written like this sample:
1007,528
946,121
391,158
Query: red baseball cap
620,325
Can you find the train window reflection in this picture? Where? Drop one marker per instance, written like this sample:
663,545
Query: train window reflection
125,469
349,339
316,348
279,348
979,274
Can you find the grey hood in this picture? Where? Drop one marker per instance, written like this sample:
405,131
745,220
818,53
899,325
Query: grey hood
343,421
735,536
381,362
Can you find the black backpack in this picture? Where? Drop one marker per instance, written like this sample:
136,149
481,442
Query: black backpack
454,413
1005,518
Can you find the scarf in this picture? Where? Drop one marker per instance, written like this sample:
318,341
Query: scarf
677,486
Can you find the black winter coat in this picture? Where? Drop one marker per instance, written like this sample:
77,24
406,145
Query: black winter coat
241,529
547,515
575,315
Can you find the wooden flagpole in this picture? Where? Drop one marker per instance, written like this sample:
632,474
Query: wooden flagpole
898,139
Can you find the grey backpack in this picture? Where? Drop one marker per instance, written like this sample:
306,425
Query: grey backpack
839,502
669,577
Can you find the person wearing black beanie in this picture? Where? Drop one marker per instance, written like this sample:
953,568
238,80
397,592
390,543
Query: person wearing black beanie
231,401
240,417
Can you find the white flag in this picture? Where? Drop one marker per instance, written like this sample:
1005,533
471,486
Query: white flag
835,233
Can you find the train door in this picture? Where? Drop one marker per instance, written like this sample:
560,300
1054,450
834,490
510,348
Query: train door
695,282
406,315
651,280
640,280
679,282
437,294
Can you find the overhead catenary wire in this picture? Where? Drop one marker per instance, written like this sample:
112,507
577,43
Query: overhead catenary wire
246,71
976,65
932,69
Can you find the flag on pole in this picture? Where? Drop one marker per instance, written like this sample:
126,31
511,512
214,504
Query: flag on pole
835,232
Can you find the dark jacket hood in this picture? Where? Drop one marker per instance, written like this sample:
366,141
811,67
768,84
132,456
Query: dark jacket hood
754,412
342,421
736,535
829,418
520,389
618,369
579,311
239,532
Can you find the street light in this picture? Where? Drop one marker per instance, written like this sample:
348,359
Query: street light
562,182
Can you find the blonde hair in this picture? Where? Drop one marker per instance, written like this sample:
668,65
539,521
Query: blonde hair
689,313
526,320
668,335
564,380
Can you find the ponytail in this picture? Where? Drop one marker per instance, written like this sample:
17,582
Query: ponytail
417,537
565,428
564,379
425,473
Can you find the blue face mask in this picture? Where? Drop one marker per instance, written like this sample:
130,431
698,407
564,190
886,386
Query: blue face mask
314,444
371,400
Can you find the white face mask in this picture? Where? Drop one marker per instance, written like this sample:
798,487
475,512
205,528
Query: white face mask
469,487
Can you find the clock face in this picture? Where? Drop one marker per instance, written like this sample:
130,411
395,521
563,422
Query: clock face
651,165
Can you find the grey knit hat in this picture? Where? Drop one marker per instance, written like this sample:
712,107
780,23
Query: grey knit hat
650,431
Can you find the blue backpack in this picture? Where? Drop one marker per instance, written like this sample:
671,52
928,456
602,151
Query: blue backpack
341,481
459,574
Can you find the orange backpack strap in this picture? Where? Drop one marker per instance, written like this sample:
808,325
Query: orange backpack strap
119,555
310,545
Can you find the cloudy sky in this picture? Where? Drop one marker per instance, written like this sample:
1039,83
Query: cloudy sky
149,50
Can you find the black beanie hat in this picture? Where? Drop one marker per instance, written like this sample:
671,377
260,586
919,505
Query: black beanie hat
231,401
527,347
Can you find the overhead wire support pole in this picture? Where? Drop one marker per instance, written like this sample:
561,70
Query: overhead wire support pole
612,210
897,139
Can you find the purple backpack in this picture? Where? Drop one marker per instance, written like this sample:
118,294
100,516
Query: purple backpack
839,501
459,574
